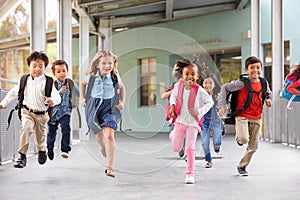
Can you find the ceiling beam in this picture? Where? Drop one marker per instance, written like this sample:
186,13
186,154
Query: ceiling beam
169,9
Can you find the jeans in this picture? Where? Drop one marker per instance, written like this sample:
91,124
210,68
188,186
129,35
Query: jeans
215,127
65,129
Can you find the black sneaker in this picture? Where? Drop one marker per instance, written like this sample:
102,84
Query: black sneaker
50,155
42,157
242,171
238,142
181,153
21,162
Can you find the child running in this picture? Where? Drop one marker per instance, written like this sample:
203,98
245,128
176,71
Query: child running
103,99
61,113
212,122
189,102
248,122
34,105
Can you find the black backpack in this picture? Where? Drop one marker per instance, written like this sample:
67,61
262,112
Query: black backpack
23,80
232,98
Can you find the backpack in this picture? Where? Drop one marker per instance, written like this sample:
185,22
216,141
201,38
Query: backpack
191,102
23,81
232,98
289,96
90,104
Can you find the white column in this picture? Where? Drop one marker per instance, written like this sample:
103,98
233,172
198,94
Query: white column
38,26
64,32
255,31
83,64
105,28
277,65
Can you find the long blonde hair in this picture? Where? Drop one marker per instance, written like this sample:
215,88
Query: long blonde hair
95,62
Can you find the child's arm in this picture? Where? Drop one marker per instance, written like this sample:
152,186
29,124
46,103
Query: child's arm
167,93
82,92
226,88
173,97
11,95
292,88
121,104
269,96
55,97
205,103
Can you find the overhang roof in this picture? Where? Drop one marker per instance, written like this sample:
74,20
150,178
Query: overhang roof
135,13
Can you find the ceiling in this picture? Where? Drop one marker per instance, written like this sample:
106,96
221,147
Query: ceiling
135,13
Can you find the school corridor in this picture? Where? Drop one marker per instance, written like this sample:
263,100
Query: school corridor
146,168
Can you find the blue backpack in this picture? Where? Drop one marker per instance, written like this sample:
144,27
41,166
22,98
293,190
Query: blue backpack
287,95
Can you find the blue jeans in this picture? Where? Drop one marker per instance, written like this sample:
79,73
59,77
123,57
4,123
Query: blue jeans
215,127
65,130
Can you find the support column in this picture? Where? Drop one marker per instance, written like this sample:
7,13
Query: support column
277,66
64,33
83,65
105,28
38,26
255,31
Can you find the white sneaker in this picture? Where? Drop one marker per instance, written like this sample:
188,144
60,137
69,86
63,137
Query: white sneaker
189,179
64,155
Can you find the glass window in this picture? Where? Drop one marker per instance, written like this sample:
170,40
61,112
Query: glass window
148,81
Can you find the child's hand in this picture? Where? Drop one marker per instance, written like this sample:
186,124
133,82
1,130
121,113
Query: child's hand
222,112
120,106
171,113
1,106
193,112
268,102
48,101
63,89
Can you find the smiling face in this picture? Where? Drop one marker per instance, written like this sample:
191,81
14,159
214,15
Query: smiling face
36,68
190,75
106,65
60,72
254,70
208,85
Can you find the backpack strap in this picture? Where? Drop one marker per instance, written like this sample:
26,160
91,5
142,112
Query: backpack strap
191,103
248,86
48,87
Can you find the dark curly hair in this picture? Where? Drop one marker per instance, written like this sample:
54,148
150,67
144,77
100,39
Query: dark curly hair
180,64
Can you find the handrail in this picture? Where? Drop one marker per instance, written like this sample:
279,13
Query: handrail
7,81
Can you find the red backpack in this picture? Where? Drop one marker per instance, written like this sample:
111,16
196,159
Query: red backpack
191,102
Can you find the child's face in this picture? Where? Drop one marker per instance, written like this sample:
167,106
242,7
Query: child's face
190,75
254,70
208,85
36,68
106,65
60,72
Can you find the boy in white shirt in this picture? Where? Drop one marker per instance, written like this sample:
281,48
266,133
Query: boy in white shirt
34,107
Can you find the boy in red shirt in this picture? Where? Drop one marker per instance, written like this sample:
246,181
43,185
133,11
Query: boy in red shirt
248,122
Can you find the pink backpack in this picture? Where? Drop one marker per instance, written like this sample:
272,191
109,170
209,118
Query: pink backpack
191,102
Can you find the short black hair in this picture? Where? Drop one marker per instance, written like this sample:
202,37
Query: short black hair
251,60
35,55
59,62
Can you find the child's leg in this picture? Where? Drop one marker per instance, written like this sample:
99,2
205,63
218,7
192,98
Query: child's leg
66,130
241,129
178,136
216,128
254,129
99,138
26,131
40,134
51,136
109,142
205,143
190,140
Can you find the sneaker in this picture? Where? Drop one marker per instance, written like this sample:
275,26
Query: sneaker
64,154
50,155
242,171
217,149
208,165
238,142
181,152
21,162
189,179
42,157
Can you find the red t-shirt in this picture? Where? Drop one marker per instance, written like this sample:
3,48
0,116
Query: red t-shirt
254,111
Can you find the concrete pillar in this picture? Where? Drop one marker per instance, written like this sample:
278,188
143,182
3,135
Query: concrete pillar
277,66
38,26
255,31
83,65
64,32
105,28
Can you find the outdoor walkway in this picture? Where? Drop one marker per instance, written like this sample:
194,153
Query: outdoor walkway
146,168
